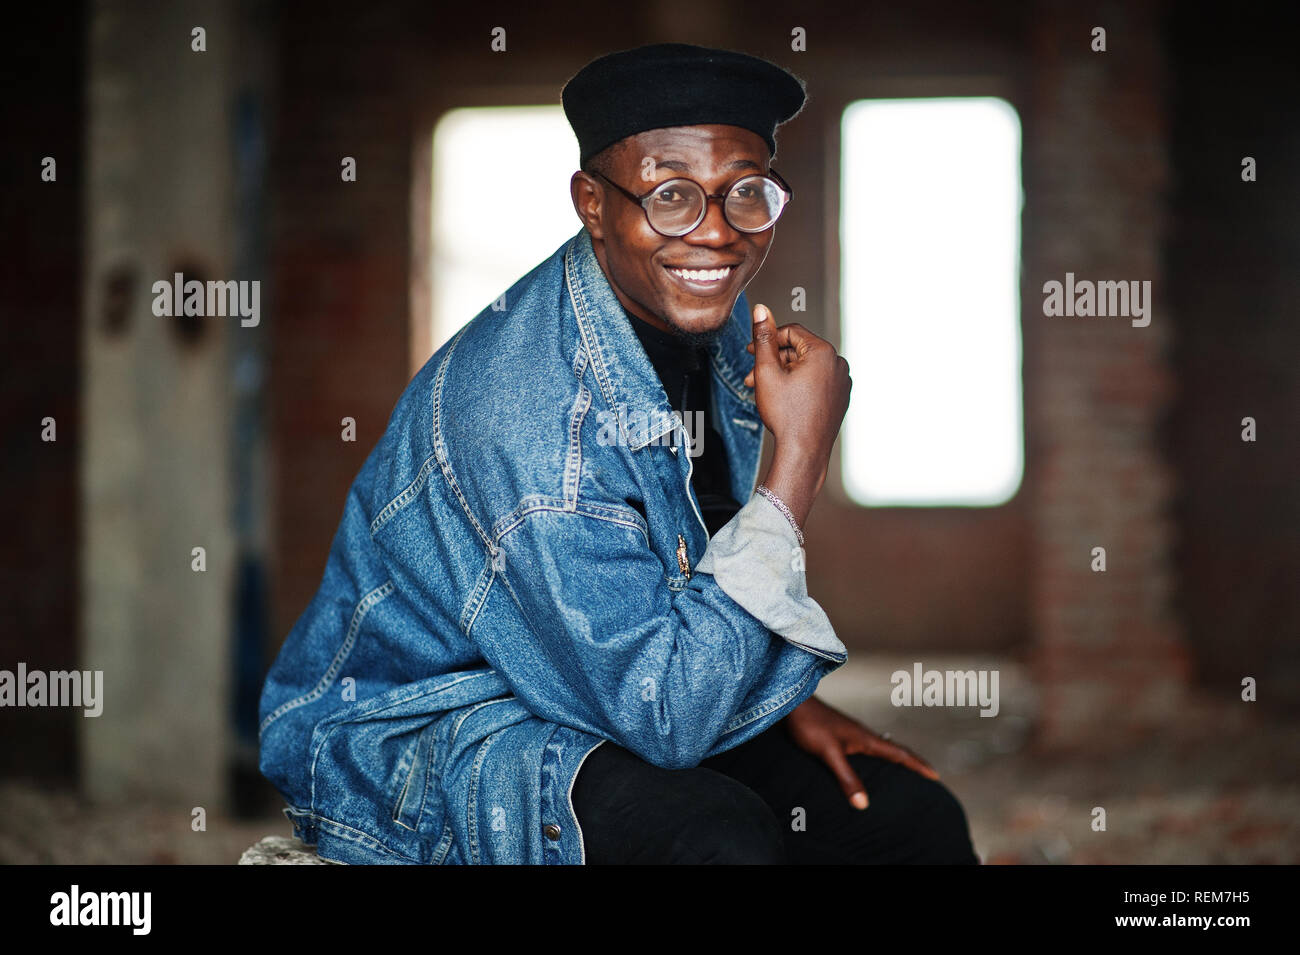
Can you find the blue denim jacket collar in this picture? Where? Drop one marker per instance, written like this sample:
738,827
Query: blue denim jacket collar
621,366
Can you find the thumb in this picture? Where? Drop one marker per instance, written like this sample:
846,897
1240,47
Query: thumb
766,351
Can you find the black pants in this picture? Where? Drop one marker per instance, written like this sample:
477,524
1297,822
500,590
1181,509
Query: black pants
764,802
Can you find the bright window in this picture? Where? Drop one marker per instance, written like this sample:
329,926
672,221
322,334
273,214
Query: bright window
500,204
930,246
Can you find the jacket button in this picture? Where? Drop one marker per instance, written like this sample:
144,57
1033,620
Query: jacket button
552,831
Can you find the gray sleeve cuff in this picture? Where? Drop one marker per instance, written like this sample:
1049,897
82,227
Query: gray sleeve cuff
756,560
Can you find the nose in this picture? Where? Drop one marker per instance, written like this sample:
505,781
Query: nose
714,230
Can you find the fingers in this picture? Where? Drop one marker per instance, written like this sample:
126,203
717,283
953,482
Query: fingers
793,335
785,362
788,354
766,350
788,358
783,339
838,761
903,756
793,340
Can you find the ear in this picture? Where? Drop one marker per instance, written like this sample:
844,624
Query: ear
589,202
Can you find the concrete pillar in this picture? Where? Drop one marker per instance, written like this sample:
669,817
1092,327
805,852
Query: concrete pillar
154,467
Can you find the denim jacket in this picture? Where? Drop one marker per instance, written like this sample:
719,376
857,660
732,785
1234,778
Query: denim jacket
521,573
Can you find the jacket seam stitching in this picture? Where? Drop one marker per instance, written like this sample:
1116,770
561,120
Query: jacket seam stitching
487,589
461,718
320,747
477,675
477,597
439,445
517,516
573,466
351,834
416,762
475,772
577,298
741,720
725,376
406,787
359,614
401,701
408,493
530,502
444,844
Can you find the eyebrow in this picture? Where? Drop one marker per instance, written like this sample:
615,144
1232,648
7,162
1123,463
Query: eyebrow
679,166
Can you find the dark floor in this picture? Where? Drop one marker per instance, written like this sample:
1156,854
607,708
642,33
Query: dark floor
1218,786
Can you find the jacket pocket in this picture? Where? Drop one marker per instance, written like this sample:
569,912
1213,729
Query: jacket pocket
418,805
376,766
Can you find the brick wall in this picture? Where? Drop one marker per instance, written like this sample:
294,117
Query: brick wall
340,266
1234,248
1106,648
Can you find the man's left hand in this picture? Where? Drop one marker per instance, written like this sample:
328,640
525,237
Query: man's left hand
832,736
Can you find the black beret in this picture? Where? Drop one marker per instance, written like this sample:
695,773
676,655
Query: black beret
677,84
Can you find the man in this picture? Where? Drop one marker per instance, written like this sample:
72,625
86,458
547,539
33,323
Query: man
530,645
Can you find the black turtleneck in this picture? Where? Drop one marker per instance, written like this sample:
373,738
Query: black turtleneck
684,371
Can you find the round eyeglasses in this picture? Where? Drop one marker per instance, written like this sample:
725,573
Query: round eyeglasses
676,207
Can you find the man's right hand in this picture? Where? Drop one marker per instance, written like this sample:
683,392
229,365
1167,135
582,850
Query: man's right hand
801,386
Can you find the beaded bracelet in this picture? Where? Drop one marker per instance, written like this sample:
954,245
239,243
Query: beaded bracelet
779,504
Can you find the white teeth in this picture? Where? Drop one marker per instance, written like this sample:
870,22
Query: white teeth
703,275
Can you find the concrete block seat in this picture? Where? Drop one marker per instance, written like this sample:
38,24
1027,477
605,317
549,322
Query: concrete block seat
282,850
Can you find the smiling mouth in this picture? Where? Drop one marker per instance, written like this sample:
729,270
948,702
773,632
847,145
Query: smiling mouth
703,276
703,282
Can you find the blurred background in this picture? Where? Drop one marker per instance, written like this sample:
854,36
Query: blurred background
385,170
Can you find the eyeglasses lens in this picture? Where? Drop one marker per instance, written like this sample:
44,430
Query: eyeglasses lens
752,205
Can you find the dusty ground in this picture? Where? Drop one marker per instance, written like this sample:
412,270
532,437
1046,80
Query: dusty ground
1218,785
